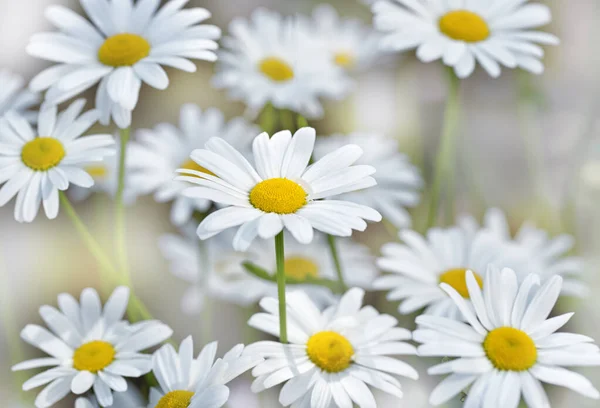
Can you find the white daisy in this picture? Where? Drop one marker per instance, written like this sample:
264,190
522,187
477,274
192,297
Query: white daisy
132,398
14,98
90,348
159,152
333,356
544,255
419,264
123,46
398,181
185,381
461,33
272,59
283,191
36,164
507,346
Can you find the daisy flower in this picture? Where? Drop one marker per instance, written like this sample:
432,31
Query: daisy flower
507,346
131,398
398,181
36,163
159,152
491,33
272,59
13,96
122,46
185,381
283,191
90,348
545,256
420,263
333,356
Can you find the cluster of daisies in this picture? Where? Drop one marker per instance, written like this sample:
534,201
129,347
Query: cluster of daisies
486,295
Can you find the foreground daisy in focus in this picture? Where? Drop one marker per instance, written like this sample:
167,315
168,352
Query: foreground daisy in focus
89,348
282,192
14,98
185,381
491,33
122,47
507,346
333,356
36,164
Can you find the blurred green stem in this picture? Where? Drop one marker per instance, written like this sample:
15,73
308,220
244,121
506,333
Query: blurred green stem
267,119
336,260
280,258
120,228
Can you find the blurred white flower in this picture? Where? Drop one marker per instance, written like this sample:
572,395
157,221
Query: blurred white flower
491,33
124,46
132,398
14,98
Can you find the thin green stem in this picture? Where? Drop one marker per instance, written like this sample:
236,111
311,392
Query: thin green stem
336,261
280,258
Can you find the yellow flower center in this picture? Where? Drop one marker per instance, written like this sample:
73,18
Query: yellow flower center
510,349
97,172
300,268
42,153
344,59
175,399
192,165
94,356
330,351
276,69
457,279
123,50
278,195
464,25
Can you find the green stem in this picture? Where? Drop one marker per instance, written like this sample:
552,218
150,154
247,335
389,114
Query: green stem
336,261
445,162
280,258
301,121
267,119
309,280
287,120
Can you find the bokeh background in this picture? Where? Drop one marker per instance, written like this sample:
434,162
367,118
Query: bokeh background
530,145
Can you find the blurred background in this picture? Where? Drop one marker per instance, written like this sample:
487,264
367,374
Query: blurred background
530,145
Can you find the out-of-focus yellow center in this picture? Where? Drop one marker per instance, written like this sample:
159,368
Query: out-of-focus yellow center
123,49
300,268
42,153
330,351
192,165
510,349
94,356
344,59
97,172
278,195
276,69
175,399
464,25
457,279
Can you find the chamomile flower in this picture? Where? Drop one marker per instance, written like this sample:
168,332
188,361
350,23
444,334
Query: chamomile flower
332,356
283,191
13,96
545,256
36,163
159,152
123,46
421,263
132,398
89,347
507,345
185,381
272,59
491,33
398,181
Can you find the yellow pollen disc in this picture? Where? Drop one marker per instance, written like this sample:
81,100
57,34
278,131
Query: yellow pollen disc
94,356
300,268
97,172
510,349
330,351
192,165
175,399
344,59
278,195
457,279
123,50
42,153
465,26
276,69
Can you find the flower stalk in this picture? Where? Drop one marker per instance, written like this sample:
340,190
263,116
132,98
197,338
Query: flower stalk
280,259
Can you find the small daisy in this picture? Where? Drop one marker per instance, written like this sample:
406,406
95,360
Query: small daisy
419,264
89,347
272,59
283,191
14,98
185,381
491,33
159,152
123,46
398,181
545,256
333,356
132,398
507,346
36,164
